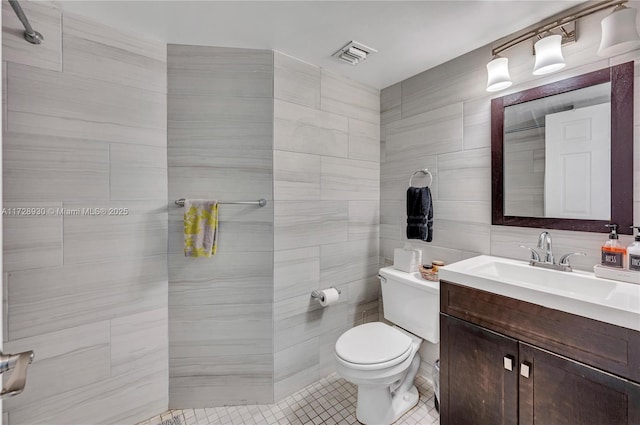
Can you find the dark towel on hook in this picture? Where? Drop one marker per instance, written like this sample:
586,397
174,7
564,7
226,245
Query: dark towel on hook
419,214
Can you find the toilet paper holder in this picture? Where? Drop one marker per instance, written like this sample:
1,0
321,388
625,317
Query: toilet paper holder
316,294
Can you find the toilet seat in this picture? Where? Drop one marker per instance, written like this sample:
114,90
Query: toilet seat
373,346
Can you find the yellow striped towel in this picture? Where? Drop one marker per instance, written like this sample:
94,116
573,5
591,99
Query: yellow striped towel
200,228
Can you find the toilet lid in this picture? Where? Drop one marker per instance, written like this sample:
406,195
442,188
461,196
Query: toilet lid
372,343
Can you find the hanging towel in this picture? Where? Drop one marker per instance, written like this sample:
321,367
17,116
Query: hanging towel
200,228
419,214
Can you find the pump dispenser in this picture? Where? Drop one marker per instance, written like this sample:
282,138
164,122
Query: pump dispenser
634,252
613,253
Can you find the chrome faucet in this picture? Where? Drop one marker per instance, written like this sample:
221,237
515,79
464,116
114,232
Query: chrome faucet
544,242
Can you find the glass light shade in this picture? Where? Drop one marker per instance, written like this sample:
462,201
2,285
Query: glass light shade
619,32
548,55
498,74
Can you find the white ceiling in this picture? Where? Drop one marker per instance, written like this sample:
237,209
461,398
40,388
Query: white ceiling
410,36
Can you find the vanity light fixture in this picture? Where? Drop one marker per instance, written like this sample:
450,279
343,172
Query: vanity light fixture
548,55
619,32
619,35
498,72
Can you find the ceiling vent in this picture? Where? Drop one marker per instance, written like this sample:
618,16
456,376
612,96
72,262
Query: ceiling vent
353,53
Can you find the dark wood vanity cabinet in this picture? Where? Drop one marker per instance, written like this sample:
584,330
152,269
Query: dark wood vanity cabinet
498,370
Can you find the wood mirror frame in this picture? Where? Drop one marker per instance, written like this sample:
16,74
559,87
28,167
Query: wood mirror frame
621,78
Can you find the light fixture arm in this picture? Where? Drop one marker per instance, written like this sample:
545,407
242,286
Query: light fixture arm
606,4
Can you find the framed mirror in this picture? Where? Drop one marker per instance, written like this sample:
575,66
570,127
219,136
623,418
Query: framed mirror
562,153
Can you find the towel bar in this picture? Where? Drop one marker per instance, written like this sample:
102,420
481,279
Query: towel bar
260,202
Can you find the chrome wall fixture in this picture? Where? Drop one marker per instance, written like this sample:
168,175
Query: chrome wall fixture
31,35
619,35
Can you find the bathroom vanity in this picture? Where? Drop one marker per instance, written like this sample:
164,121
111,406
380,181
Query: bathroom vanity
508,361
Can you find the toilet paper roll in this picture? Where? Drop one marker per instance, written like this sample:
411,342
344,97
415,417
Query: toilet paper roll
329,296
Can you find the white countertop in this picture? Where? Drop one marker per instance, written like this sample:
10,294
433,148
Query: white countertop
576,292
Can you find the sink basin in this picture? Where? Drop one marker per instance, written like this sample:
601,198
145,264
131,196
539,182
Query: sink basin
576,292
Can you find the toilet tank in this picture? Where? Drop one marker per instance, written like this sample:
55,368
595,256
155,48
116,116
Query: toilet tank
411,302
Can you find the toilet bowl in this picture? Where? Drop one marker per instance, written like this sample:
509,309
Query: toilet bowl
383,360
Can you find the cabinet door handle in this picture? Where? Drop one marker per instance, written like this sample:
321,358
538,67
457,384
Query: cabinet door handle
525,369
508,363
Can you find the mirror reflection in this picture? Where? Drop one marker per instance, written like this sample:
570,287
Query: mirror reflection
557,155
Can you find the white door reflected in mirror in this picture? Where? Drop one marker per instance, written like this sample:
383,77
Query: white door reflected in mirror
577,163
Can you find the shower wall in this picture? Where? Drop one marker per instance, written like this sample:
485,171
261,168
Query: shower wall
249,124
326,177
220,132
85,136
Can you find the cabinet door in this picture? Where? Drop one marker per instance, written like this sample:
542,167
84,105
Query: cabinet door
476,387
560,391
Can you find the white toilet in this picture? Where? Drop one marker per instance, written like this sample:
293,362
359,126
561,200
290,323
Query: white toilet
383,360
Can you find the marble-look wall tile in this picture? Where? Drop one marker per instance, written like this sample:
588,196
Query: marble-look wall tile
395,176
462,235
296,176
53,376
434,132
125,230
109,399
64,359
91,50
31,241
446,84
364,219
45,17
296,272
346,262
349,179
505,242
326,231
477,123
467,211
296,366
364,140
52,299
300,224
219,71
221,352
139,341
391,104
465,176
145,165
4,97
85,123
58,104
200,283
296,81
307,130
220,139
43,168
347,97
299,319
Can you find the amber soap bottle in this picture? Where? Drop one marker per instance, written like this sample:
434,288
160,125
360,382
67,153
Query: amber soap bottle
613,253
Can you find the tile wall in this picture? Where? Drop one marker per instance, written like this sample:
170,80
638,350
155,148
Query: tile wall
326,213
85,127
440,119
220,137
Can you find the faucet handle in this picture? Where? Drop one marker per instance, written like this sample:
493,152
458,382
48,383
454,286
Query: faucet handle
564,260
534,254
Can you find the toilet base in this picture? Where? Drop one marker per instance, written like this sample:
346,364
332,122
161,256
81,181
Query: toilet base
376,406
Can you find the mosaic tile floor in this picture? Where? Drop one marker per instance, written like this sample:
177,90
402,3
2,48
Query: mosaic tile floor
306,407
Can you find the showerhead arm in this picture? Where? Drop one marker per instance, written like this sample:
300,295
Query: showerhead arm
31,35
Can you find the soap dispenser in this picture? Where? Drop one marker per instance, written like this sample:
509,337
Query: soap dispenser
613,253
634,252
